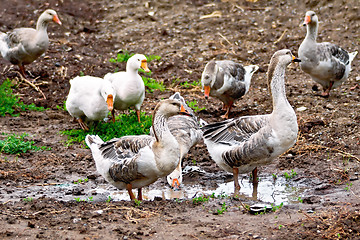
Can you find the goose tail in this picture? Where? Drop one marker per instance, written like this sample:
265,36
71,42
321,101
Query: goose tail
93,141
3,45
352,56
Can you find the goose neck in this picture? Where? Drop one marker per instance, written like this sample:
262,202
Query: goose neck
311,31
277,87
160,127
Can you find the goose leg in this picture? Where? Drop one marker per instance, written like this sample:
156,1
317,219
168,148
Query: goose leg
226,115
326,92
82,124
138,115
236,181
255,176
140,194
113,115
129,189
22,71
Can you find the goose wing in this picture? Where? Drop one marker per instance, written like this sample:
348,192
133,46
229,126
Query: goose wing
334,54
124,152
234,131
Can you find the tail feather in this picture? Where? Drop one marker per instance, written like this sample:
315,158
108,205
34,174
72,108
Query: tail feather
352,56
93,139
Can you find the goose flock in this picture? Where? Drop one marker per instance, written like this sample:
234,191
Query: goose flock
238,145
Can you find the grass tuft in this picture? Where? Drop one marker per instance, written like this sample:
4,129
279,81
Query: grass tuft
126,124
16,144
10,103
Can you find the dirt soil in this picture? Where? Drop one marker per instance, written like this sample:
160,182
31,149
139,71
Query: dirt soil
326,156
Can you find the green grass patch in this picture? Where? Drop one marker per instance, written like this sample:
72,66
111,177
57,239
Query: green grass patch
10,103
152,84
125,55
126,124
16,144
194,106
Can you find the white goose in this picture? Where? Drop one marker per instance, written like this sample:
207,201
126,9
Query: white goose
90,99
326,63
22,46
240,145
227,81
137,161
187,132
130,88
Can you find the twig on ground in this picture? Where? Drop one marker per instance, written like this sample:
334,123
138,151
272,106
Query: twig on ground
33,85
282,35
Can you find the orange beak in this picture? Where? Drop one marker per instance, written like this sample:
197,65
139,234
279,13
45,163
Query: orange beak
144,66
56,19
176,184
307,20
206,91
110,102
183,111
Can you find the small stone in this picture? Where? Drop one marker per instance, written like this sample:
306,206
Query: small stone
301,109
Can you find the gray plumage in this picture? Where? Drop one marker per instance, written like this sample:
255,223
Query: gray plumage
326,63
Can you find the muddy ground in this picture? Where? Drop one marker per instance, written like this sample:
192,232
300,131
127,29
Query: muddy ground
326,156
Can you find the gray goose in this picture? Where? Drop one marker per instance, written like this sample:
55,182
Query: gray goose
22,46
241,145
227,81
137,161
326,63
186,131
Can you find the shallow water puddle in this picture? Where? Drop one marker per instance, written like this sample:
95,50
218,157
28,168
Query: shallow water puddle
270,191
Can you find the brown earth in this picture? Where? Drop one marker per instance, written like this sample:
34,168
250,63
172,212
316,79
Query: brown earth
326,156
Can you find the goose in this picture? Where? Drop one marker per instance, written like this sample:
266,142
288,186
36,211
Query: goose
227,81
22,46
326,63
137,161
90,99
186,131
129,86
242,144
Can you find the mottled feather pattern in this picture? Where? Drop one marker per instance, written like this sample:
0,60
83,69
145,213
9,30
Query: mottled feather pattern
125,171
235,70
234,130
339,57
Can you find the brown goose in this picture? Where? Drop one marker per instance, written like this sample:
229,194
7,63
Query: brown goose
137,161
22,46
326,63
240,145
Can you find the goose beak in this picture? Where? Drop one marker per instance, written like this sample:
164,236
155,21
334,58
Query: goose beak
144,66
206,91
110,102
307,20
183,111
294,59
175,184
56,19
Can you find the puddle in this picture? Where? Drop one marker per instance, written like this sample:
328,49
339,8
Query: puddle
280,191
270,191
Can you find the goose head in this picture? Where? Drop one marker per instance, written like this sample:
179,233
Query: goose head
137,61
108,93
174,179
50,15
281,58
208,77
170,107
310,18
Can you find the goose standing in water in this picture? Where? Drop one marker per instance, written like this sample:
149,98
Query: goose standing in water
186,131
326,63
241,145
130,88
227,81
137,161
22,46
90,99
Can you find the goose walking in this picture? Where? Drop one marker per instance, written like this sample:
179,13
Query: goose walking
326,63
129,86
90,99
22,46
227,81
241,145
187,132
137,161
